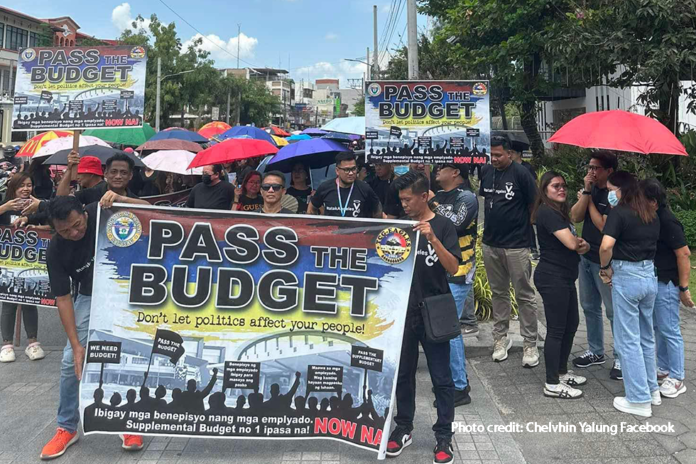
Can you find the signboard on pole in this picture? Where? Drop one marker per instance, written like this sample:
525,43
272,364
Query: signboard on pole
79,88
215,113
251,326
23,273
440,122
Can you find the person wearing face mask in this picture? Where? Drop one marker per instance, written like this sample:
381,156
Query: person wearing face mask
626,258
212,192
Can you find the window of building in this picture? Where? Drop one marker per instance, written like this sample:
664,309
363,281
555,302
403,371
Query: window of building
16,38
33,39
2,35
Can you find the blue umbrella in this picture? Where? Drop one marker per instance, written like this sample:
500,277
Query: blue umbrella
181,135
314,131
251,131
297,138
315,153
340,137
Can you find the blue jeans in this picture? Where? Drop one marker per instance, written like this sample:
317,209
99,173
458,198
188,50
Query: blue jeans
593,292
634,288
457,356
670,344
69,402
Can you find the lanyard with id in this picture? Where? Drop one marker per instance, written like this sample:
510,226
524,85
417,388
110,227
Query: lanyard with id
340,202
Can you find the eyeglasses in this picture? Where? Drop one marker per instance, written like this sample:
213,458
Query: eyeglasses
348,170
559,186
594,168
275,187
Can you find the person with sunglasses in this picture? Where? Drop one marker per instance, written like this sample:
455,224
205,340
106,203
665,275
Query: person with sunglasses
272,191
345,196
592,209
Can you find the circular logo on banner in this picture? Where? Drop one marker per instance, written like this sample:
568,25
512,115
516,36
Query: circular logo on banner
123,229
137,52
393,245
374,89
29,54
479,89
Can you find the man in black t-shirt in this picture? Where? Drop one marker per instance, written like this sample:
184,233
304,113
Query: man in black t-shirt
346,196
70,257
592,209
509,193
384,176
437,254
272,191
212,192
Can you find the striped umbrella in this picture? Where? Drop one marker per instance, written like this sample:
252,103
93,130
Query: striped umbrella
35,143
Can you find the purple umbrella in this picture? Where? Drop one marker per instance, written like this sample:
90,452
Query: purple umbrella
314,131
315,153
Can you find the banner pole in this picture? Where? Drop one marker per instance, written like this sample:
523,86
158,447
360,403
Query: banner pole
101,376
18,326
148,366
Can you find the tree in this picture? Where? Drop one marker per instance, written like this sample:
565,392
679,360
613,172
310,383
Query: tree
359,107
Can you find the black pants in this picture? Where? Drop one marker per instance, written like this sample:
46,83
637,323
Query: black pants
9,316
561,307
438,357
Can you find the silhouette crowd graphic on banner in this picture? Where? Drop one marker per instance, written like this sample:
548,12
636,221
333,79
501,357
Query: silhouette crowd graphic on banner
473,155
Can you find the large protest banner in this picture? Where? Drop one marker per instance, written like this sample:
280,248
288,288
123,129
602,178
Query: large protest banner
79,88
23,272
245,325
431,122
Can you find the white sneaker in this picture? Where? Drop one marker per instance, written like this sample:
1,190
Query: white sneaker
671,388
500,349
530,357
656,398
562,390
7,354
638,409
35,352
573,380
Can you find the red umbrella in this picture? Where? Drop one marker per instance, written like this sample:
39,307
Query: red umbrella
619,130
277,131
213,128
233,150
170,144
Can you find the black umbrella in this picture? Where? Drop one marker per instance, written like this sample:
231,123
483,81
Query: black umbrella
518,140
101,152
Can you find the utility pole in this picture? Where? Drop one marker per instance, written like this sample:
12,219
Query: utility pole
367,62
229,96
239,94
375,67
412,17
157,104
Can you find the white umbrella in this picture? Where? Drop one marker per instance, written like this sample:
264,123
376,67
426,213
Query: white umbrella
176,161
66,143
352,125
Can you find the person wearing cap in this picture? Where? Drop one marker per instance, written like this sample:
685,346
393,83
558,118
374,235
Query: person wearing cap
89,172
459,204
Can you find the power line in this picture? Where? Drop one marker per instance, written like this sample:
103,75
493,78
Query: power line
387,24
205,37
386,51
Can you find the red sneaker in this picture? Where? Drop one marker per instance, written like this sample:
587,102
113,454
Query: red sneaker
58,444
132,442
399,439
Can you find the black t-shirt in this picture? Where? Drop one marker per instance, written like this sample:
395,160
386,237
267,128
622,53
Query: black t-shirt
392,203
282,211
43,185
671,238
590,233
556,258
508,195
529,168
70,259
302,197
429,276
362,202
94,194
635,241
8,217
218,196
148,188
250,205
381,187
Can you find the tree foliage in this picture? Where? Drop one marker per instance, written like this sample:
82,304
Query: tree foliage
359,107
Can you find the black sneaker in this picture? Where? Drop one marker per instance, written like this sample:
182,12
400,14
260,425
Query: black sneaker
466,390
588,359
615,373
461,397
444,452
399,439
469,331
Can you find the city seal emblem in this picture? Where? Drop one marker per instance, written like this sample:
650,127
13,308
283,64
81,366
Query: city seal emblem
28,54
374,89
393,245
123,229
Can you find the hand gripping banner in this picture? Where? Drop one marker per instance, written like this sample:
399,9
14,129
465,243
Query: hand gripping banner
245,325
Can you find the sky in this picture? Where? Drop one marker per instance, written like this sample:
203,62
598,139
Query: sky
310,38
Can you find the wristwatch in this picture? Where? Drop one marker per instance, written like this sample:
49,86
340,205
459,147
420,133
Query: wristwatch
604,268
585,192
683,289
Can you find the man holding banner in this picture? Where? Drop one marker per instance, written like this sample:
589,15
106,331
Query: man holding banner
71,257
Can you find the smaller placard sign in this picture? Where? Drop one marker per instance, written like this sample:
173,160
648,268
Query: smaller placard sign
104,352
366,358
242,375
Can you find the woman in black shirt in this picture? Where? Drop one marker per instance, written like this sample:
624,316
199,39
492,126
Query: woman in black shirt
626,262
673,274
247,198
555,278
299,187
19,191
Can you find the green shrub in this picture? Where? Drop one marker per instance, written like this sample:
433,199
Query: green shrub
688,220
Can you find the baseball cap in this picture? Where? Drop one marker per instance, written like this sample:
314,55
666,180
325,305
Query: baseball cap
90,165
